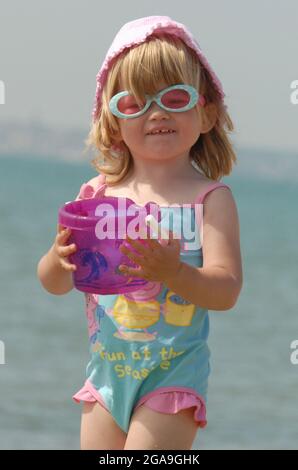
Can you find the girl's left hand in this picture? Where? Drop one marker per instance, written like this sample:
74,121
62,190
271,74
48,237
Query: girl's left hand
156,262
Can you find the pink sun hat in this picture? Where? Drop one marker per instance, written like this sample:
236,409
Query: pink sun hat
138,31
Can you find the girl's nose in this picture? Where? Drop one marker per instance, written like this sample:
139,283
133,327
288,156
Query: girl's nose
154,109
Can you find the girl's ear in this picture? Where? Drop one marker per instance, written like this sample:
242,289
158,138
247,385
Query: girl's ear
208,117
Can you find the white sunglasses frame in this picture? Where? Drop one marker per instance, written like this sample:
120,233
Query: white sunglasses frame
195,99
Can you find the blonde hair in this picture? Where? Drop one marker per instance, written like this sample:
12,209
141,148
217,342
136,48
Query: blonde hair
140,70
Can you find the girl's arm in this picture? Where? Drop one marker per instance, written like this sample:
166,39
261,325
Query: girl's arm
54,269
52,276
216,285
209,288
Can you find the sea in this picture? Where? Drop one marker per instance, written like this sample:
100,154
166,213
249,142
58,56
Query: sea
252,398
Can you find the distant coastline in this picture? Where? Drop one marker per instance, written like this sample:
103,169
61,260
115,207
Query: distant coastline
37,140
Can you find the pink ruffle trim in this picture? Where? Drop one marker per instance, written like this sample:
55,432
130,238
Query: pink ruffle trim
88,393
87,191
163,400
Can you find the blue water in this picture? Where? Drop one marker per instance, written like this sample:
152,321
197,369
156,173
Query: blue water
252,400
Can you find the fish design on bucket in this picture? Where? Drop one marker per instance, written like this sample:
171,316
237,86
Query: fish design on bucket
96,261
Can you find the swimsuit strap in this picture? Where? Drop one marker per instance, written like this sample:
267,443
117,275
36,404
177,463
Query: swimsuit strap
101,186
87,191
200,198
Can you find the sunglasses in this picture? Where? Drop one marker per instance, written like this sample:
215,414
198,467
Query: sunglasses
175,98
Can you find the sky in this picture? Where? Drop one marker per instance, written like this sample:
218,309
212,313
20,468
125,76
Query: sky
51,51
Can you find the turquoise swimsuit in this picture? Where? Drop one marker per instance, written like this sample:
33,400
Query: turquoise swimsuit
149,341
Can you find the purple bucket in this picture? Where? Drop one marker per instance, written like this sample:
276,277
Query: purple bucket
98,228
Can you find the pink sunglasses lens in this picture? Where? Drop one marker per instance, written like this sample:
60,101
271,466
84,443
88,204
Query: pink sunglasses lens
175,99
128,105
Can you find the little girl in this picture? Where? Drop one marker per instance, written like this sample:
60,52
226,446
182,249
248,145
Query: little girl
161,126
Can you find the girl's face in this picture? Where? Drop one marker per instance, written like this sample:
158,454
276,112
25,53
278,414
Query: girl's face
136,132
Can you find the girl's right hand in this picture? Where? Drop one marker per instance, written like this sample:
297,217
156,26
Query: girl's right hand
61,250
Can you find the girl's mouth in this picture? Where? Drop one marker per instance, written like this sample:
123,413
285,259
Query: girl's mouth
163,133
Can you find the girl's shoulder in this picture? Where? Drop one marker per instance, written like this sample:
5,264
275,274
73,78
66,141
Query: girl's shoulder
207,187
219,204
